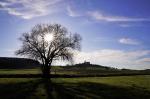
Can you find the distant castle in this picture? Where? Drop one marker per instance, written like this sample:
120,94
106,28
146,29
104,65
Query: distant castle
86,63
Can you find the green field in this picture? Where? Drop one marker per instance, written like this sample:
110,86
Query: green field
20,71
57,70
121,87
75,70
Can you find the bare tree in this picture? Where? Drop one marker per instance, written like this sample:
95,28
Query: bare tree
49,42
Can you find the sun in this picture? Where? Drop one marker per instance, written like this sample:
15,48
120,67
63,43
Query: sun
49,37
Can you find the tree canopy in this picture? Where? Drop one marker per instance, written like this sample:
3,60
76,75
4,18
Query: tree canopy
48,42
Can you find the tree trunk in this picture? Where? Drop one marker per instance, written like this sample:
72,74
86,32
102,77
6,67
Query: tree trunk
46,71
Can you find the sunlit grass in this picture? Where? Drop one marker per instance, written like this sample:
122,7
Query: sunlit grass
124,81
20,71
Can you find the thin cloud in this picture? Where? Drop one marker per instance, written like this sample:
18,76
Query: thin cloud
116,58
126,25
147,60
103,39
71,12
28,9
129,41
108,18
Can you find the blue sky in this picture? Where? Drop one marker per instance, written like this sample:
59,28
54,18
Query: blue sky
115,32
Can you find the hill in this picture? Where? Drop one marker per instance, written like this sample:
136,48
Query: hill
78,69
88,66
92,69
83,68
17,63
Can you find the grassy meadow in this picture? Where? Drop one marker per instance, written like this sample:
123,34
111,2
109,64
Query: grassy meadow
20,71
120,87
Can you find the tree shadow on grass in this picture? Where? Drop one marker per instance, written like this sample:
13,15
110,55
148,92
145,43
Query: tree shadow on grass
22,90
87,90
32,89
45,89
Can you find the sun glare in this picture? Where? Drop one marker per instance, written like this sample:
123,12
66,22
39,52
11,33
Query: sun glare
49,37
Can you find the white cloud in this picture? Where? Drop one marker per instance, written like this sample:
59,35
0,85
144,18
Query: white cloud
2,4
28,9
109,18
71,12
8,52
129,41
116,58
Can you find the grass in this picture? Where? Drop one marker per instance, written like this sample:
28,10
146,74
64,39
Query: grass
60,70
126,81
20,71
32,71
121,87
